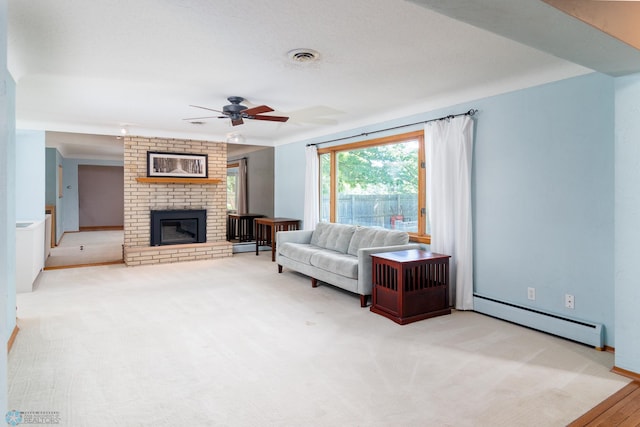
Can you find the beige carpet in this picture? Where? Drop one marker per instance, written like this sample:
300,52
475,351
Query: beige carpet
233,343
87,247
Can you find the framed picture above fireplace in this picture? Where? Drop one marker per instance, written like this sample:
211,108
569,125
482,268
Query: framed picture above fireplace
176,165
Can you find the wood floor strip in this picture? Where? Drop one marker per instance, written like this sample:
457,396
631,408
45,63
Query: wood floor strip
12,338
102,228
609,410
626,373
621,411
632,421
93,264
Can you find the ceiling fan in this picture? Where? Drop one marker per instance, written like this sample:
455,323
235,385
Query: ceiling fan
238,112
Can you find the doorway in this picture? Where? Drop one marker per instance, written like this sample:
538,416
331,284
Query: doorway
101,221
100,197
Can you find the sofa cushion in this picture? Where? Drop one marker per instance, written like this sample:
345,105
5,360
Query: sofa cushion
369,237
336,262
333,236
300,252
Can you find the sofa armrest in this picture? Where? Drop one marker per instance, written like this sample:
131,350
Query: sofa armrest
365,263
293,236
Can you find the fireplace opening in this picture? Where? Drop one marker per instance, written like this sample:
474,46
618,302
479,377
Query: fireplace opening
176,227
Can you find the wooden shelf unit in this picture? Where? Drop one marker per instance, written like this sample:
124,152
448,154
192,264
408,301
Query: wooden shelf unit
171,180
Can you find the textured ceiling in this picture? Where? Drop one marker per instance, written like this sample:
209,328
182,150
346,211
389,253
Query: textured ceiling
95,67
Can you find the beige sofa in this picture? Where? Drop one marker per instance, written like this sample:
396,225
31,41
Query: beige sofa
338,254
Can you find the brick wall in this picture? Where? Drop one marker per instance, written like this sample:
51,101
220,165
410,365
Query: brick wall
141,198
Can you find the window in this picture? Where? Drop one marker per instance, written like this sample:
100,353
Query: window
232,187
375,183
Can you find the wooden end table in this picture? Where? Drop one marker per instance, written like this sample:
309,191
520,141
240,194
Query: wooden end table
266,229
410,285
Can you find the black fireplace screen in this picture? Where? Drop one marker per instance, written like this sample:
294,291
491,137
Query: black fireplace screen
176,227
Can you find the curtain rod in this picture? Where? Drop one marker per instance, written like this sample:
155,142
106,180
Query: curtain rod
450,116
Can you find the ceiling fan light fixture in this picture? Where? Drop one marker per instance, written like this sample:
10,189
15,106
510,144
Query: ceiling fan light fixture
235,138
303,55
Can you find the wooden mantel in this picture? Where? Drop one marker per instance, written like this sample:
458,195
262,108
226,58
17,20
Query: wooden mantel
172,180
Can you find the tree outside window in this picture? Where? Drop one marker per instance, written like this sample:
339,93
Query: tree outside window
374,183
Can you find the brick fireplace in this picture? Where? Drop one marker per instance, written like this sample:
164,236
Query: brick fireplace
140,198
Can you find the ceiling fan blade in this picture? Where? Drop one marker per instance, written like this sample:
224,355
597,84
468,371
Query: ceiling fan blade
257,110
205,108
270,118
236,122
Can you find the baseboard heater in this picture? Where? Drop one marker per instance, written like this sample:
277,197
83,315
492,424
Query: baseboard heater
576,330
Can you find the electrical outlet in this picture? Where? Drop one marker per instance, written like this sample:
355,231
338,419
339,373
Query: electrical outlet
569,301
531,294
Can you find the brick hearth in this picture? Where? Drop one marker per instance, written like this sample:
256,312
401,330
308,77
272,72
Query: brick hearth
141,198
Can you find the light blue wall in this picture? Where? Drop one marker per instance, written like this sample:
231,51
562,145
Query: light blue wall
288,192
51,179
543,197
7,207
59,201
627,230
53,159
30,175
70,204
542,194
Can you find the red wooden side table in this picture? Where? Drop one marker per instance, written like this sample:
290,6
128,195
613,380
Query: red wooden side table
410,285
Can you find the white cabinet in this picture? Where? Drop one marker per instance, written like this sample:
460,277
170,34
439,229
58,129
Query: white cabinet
29,253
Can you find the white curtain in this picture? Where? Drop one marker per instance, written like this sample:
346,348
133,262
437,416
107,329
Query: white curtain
243,203
448,150
311,189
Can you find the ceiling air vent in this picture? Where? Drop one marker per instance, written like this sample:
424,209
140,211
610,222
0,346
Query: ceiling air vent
303,55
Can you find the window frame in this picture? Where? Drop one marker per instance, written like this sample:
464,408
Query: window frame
418,135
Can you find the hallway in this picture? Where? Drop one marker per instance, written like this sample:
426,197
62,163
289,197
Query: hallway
87,248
